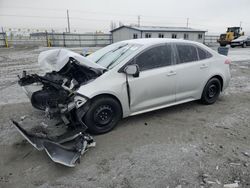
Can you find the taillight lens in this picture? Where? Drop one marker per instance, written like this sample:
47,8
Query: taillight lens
228,61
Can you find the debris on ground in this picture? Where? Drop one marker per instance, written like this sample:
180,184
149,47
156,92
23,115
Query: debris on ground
55,148
233,185
246,154
23,118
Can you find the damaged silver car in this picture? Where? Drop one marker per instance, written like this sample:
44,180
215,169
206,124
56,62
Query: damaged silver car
124,79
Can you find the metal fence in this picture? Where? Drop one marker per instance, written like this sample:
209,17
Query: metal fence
2,39
52,39
211,40
72,39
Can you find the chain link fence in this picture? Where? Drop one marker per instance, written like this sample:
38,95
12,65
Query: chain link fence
73,39
3,40
51,39
211,40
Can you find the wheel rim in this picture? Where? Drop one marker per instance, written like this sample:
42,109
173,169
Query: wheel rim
212,91
103,115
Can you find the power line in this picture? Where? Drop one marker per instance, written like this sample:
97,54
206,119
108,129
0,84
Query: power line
89,19
106,13
29,16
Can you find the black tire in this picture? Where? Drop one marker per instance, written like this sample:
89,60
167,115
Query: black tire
232,46
103,115
211,91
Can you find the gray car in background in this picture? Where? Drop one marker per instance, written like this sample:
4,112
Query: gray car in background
242,41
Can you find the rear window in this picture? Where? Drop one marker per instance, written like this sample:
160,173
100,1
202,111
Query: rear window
203,54
187,53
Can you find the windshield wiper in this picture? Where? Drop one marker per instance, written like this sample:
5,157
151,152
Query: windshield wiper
110,52
112,62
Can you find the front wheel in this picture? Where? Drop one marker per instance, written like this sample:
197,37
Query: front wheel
211,91
103,115
244,45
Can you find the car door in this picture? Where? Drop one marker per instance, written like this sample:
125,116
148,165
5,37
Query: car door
192,71
155,86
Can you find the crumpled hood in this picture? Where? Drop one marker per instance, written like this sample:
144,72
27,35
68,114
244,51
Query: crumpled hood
56,59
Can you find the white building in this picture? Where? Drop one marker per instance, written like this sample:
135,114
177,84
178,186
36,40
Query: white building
134,32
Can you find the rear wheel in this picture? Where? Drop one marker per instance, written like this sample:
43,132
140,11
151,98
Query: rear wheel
103,115
211,91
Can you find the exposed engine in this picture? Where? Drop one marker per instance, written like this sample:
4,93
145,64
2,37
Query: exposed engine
58,87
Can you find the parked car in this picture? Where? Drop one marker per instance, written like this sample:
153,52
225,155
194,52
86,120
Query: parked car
242,41
127,78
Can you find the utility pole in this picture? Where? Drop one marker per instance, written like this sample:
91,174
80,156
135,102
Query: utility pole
68,20
240,23
139,21
187,22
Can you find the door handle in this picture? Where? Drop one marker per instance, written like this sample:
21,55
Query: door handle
203,66
171,73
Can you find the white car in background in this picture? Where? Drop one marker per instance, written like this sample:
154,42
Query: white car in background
127,78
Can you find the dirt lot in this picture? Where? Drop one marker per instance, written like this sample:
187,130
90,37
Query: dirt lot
189,145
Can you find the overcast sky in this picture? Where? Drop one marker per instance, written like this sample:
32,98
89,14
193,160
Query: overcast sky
93,15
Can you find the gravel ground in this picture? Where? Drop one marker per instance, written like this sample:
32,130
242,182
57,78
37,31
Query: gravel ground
189,145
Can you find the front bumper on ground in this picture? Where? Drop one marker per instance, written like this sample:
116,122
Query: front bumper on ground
65,149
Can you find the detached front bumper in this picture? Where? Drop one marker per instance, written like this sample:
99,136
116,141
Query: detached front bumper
77,142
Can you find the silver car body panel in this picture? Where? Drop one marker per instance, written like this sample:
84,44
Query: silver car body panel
147,91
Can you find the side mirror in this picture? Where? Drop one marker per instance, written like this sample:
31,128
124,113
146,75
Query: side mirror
132,70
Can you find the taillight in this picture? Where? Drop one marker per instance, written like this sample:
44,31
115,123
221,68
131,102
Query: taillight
228,61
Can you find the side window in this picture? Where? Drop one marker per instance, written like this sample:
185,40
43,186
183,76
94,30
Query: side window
187,53
174,36
155,57
203,54
161,35
148,35
186,36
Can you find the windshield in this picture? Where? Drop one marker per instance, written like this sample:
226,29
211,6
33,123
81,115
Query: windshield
112,55
233,29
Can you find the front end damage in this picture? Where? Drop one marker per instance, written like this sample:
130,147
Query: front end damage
55,93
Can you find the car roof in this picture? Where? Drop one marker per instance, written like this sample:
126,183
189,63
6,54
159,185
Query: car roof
153,41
